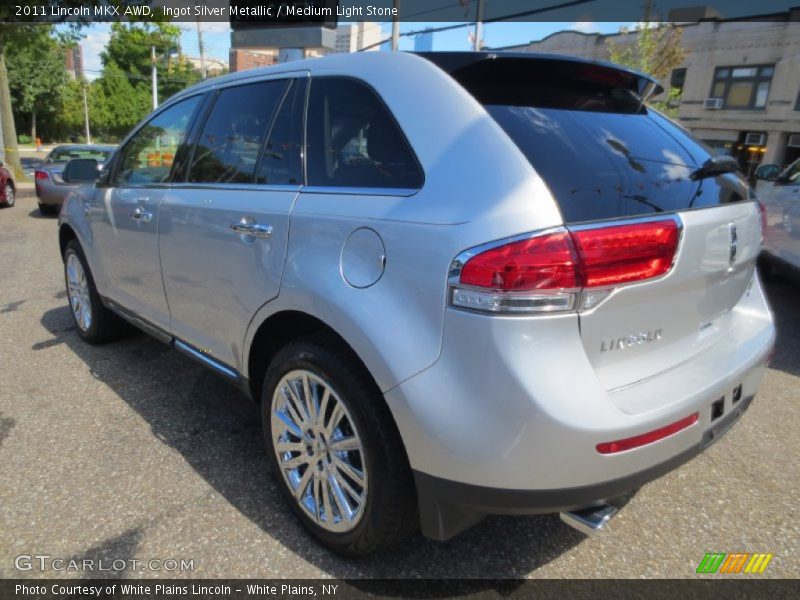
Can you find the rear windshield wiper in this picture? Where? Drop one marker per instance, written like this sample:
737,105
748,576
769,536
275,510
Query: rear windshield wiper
716,165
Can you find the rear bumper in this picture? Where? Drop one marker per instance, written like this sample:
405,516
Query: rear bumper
508,419
52,194
448,507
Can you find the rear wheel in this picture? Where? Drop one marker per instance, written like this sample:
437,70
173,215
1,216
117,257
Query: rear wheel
96,323
335,448
10,195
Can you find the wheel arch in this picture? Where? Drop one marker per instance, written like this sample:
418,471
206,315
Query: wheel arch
65,234
279,329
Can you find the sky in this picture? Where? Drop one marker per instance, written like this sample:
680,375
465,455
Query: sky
216,36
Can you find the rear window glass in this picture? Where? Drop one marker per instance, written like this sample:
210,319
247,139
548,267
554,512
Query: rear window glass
602,153
67,154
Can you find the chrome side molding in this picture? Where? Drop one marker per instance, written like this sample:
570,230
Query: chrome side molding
205,359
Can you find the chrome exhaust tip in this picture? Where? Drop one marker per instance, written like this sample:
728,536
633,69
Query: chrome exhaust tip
589,520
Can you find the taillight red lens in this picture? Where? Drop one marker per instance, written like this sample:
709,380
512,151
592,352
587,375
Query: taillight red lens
647,438
42,175
545,262
626,253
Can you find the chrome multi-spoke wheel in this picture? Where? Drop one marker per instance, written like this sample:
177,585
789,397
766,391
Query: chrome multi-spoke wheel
78,292
319,451
10,197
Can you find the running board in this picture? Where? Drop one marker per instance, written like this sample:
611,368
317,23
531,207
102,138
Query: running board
589,520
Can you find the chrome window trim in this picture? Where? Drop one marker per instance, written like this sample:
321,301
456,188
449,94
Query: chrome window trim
360,191
249,187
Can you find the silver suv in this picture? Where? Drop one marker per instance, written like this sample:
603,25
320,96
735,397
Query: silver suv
456,284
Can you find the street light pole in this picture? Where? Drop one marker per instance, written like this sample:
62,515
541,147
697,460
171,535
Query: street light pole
476,43
396,25
155,80
202,48
86,115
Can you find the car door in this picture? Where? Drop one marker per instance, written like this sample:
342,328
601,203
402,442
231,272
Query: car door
124,213
224,229
782,204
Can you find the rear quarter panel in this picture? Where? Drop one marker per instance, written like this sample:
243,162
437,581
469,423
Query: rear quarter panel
478,188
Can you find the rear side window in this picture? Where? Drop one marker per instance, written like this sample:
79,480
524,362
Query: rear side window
353,141
600,150
230,142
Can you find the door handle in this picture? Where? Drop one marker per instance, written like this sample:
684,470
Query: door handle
141,215
258,230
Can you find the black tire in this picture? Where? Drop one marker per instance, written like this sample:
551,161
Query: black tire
105,325
47,209
390,511
767,269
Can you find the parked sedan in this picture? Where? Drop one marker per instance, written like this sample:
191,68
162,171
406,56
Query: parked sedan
50,185
7,187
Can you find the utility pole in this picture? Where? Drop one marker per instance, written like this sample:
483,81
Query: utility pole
86,115
202,48
396,25
476,43
155,75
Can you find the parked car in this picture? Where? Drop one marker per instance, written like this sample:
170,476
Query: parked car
8,189
29,166
530,293
780,196
50,185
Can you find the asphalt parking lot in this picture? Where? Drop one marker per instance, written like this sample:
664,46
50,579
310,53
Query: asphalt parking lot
132,451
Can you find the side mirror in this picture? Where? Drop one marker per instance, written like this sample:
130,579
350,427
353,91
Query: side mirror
768,172
80,170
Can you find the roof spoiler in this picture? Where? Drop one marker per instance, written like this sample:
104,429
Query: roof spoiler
644,86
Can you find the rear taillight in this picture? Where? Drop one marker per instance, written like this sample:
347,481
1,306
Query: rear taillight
561,269
42,175
626,253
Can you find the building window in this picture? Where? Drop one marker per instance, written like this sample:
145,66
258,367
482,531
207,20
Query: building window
678,78
743,87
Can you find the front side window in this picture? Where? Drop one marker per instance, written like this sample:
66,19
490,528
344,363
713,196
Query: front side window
742,87
148,156
353,141
230,143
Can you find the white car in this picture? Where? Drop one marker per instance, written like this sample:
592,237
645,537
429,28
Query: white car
779,194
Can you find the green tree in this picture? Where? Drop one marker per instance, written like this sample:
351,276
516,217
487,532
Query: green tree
117,103
36,75
130,48
653,47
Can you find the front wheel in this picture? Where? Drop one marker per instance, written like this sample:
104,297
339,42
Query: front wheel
335,448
